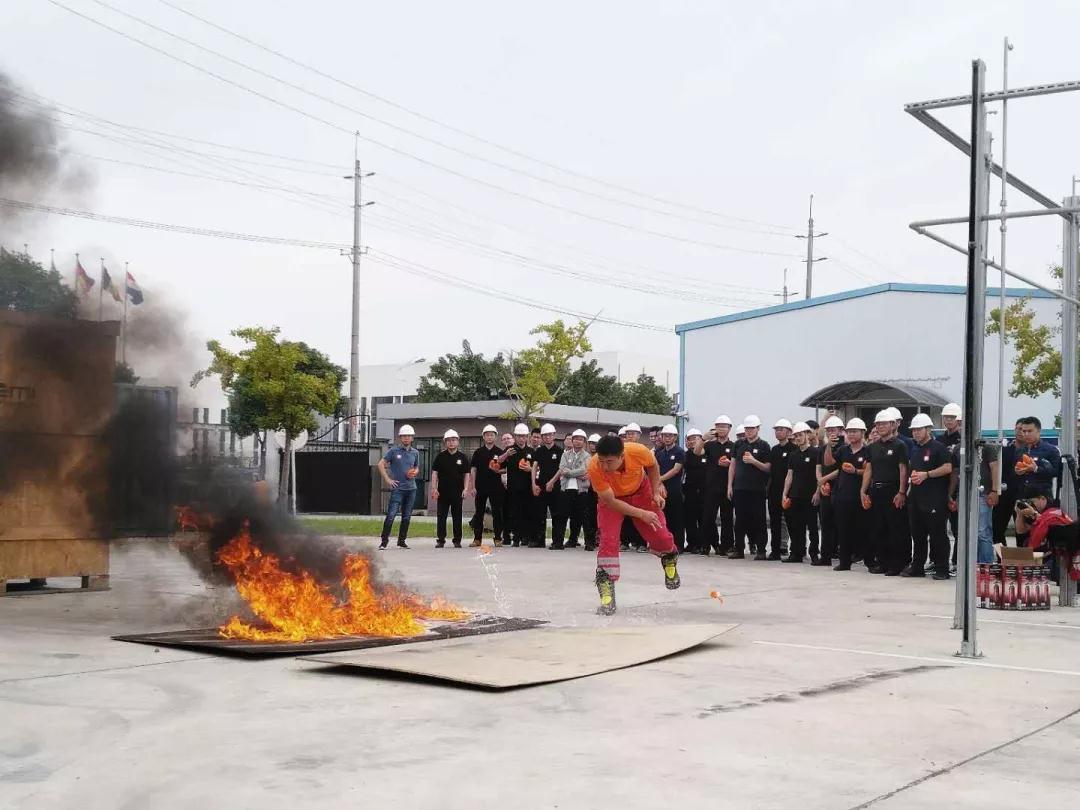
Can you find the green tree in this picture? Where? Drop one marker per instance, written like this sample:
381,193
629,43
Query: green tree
538,375
464,377
25,285
645,395
276,385
589,387
1037,367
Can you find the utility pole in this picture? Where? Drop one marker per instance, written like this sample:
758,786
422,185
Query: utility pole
810,236
785,286
354,360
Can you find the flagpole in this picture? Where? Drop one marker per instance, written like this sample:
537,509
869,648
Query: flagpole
123,325
101,289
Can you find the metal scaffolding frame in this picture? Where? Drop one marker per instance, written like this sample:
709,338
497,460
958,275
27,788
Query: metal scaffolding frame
978,219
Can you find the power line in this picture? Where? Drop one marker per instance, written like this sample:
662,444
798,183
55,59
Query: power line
459,131
424,161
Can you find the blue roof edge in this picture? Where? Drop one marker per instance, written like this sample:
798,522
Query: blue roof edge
944,289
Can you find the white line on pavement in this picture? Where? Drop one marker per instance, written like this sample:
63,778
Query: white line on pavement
959,661
1006,621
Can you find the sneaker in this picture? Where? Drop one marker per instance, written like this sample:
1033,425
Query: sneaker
821,562
624,546
894,572
874,569
760,556
671,571
438,544
457,544
791,558
642,549
514,544
736,555
607,593
382,545
572,544
842,567
941,576
590,546
776,556
913,572
556,547
402,544
478,543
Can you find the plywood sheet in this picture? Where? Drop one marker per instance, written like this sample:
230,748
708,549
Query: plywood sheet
533,656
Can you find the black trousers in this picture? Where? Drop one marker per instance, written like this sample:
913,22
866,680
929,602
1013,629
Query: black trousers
776,521
716,502
497,499
550,502
573,508
693,506
890,536
520,523
673,513
851,526
812,531
749,518
799,516
928,523
589,517
1003,513
829,538
448,502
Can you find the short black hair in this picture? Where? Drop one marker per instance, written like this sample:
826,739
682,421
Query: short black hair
609,446
535,431
655,429
812,423
1031,420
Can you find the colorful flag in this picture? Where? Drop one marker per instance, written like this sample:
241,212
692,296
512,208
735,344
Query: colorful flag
108,286
133,290
82,279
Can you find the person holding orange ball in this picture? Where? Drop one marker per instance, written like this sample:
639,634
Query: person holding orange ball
800,485
399,469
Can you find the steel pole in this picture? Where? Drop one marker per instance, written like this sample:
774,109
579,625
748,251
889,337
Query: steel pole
978,199
354,358
810,250
1069,259
1004,239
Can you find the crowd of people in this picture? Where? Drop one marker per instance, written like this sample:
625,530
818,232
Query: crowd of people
837,494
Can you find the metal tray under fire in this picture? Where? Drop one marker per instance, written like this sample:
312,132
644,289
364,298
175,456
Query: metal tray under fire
208,640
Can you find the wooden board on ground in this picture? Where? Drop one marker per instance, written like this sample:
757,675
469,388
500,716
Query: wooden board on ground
531,657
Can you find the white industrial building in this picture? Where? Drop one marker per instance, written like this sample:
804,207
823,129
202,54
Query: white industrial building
855,352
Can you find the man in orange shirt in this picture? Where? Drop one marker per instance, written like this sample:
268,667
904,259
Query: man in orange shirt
626,480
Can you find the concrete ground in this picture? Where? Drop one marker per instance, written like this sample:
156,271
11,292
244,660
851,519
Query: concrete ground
836,691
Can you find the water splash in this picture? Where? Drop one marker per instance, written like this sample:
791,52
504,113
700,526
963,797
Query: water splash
491,568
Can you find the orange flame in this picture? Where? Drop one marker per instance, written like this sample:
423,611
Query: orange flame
187,519
295,607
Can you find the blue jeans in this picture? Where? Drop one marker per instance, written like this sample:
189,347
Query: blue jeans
986,531
400,500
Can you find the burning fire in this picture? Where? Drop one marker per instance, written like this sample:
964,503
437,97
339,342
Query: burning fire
295,607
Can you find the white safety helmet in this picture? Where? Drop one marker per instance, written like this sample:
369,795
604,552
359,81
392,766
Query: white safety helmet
856,424
952,409
490,429
751,421
740,430
783,423
450,434
671,430
693,432
406,430
622,430
521,429
547,428
894,414
881,417
921,420
722,419
801,427
633,427
594,438
579,432
834,421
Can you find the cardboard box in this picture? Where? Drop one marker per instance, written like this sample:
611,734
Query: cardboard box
1019,581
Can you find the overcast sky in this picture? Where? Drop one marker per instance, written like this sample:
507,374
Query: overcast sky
732,113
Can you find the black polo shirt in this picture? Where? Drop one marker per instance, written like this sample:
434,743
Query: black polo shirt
696,468
885,460
986,478
548,458
826,469
933,492
951,439
519,469
716,474
848,484
747,476
487,479
803,467
778,457
666,458
452,469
